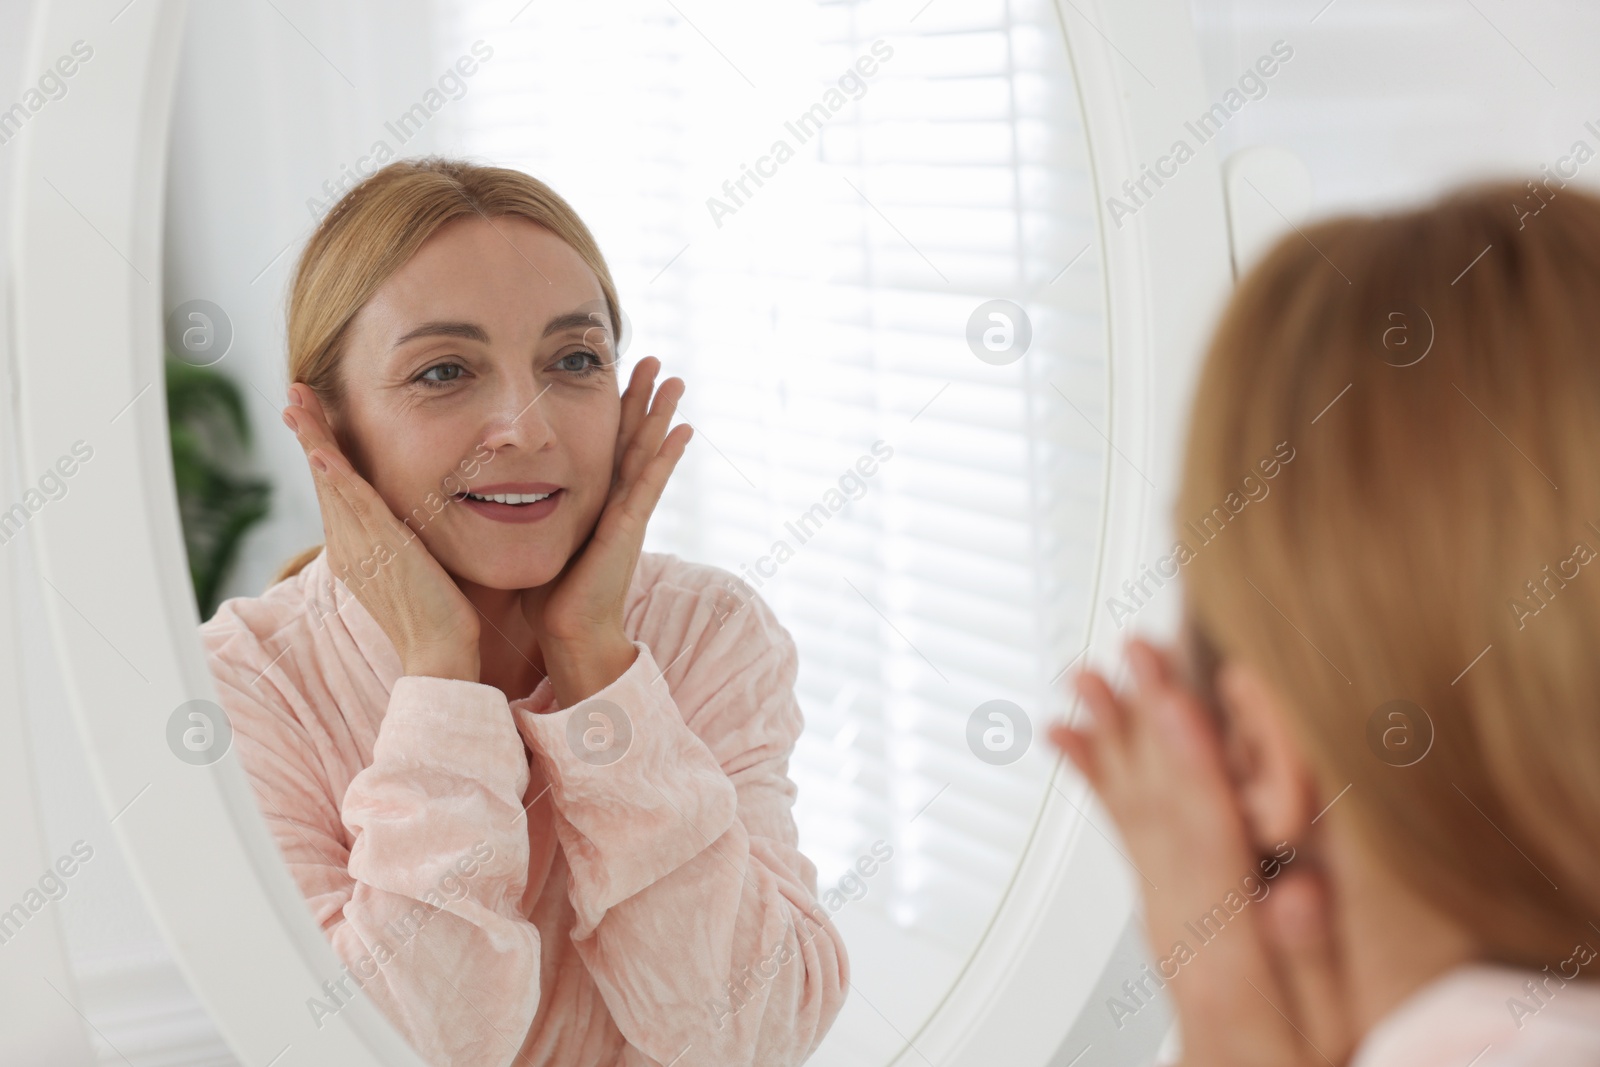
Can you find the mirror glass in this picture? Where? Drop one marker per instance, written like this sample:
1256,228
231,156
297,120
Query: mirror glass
864,234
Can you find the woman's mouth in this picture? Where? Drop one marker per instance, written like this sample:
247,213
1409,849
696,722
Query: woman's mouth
528,503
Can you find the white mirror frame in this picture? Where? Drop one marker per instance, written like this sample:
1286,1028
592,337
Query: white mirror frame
88,351
89,199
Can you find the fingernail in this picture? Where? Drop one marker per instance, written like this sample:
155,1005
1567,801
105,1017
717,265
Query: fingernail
318,462
294,398
289,422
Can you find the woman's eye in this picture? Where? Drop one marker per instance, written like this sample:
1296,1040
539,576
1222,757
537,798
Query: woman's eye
456,367
584,362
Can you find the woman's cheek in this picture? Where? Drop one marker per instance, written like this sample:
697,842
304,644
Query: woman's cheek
593,505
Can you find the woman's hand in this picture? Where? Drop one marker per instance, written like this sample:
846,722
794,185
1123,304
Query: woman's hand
433,626
1257,991
578,615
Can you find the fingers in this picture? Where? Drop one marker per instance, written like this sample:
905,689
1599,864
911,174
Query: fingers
642,495
350,486
1152,665
1158,700
1298,924
328,500
1167,704
354,516
652,430
1080,748
303,422
635,403
1158,715
343,530
644,424
305,417
1106,711
1092,747
1157,689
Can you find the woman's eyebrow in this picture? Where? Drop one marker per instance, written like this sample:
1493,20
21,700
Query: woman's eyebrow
469,330
570,320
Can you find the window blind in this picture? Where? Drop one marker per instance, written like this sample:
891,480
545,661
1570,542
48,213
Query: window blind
825,313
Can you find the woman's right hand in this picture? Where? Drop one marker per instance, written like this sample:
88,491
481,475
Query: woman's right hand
431,623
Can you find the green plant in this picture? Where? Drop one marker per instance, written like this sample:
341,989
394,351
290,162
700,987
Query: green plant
217,504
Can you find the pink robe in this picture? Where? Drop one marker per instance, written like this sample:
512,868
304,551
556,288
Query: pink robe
1491,1015
501,892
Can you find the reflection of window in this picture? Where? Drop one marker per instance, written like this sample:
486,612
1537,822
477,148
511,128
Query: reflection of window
827,311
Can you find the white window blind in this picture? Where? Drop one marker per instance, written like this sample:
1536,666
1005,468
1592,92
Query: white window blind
827,312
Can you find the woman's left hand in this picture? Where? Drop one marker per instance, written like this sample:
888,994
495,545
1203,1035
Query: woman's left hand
578,615
1157,761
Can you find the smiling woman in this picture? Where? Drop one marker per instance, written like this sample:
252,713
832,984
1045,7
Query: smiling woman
513,677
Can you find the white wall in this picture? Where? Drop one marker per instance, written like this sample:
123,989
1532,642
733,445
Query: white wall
1390,102
266,113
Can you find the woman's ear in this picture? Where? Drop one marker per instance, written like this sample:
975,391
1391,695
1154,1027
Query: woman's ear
1275,783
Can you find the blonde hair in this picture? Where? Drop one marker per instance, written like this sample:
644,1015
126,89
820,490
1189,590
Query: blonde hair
375,228
1428,541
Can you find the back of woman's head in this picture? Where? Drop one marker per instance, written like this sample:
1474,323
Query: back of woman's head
1431,541
376,227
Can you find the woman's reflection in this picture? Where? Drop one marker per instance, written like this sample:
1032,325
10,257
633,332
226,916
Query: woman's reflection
532,781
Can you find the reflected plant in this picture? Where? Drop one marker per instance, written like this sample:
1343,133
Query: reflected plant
217,503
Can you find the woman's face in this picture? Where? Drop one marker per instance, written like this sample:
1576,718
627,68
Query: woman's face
487,363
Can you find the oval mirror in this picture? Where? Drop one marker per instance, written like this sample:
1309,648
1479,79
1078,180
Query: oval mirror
935,384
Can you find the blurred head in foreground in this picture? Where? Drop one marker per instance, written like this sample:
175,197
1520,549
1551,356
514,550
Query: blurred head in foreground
1420,592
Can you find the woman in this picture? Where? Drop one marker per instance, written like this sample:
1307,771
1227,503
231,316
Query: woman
1363,793
532,781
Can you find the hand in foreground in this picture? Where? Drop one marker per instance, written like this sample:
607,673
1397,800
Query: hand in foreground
578,615
1264,990
433,626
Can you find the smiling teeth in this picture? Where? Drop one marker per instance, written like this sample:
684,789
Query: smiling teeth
510,498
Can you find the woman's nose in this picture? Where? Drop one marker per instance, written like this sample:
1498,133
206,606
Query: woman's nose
522,420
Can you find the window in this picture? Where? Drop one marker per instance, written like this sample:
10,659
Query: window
819,311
